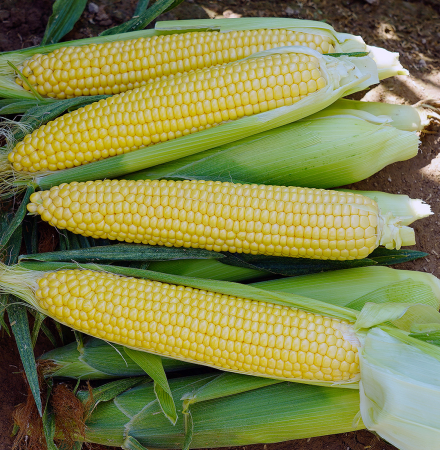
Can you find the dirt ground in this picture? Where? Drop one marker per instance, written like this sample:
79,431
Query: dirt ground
410,28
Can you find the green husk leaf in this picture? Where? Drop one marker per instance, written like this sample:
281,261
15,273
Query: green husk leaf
344,287
141,7
302,266
212,269
49,334
65,15
226,384
109,390
403,315
312,152
142,20
49,421
405,291
20,327
429,337
400,388
152,365
18,218
132,444
4,299
189,430
37,325
14,106
100,360
125,252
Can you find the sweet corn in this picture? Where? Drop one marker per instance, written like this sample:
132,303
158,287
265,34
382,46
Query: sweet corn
119,66
168,109
204,327
257,219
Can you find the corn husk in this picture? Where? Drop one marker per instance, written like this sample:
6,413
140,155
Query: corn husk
99,360
218,416
342,144
387,62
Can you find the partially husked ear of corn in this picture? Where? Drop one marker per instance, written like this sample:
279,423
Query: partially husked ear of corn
99,360
114,67
256,219
226,332
113,64
169,109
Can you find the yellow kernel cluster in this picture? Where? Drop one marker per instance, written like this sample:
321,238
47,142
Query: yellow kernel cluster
257,219
168,109
201,326
119,66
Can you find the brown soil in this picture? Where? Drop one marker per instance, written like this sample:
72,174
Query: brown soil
411,28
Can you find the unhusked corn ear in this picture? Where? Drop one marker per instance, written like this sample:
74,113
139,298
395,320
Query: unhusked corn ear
256,219
119,66
167,110
205,327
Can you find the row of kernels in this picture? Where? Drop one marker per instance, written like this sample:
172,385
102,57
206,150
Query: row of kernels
200,190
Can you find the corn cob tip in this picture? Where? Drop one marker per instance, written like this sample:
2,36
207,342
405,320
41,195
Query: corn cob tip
393,234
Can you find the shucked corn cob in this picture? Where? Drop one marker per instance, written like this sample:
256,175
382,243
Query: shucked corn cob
115,67
223,331
168,109
257,219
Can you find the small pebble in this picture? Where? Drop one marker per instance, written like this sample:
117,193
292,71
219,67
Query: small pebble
93,8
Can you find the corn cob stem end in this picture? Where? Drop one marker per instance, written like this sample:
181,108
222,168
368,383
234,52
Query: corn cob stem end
393,234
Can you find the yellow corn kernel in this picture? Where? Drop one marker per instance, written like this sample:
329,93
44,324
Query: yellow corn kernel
226,349
257,219
119,66
162,111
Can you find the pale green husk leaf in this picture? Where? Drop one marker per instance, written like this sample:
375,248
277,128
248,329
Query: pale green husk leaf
317,151
400,392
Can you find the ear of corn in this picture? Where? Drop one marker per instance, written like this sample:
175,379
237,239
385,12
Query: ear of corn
256,219
278,340
260,415
316,151
113,64
215,426
99,360
397,365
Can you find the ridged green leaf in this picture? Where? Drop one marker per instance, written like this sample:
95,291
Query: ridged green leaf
152,365
65,15
143,19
